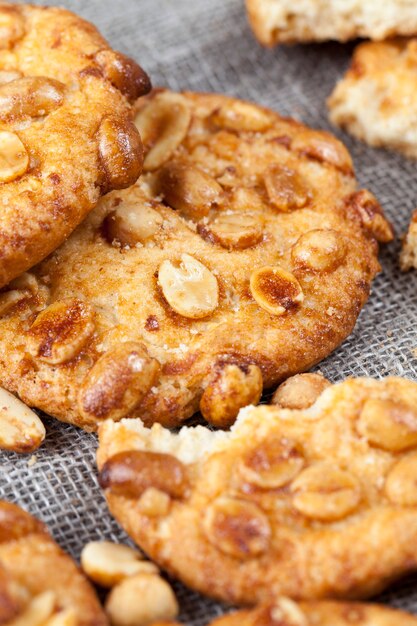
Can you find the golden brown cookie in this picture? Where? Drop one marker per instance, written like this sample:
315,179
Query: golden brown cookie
375,101
243,255
39,583
66,137
312,503
286,612
284,21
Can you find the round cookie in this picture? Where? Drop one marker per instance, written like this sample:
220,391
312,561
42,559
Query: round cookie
243,255
286,612
288,502
39,583
66,137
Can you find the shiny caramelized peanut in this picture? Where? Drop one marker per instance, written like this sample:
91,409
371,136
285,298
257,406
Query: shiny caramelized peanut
321,250
60,331
14,159
126,75
233,232
21,430
141,600
108,563
12,26
325,493
66,617
117,382
401,482
237,528
188,189
242,116
163,124
300,391
130,224
189,287
232,388
271,464
120,151
132,472
275,290
388,424
323,147
31,96
287,612
365,208
286,188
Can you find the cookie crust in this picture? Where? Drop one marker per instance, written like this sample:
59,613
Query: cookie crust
292,502
31,564
283,21
65,124
260,215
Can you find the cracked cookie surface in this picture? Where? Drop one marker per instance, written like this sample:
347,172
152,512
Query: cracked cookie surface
39,583
66,136
288,502
243,255
375,100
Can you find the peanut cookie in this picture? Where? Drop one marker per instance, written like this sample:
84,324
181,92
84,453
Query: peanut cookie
66,137
243,255
285,21
408,257
286,612
310,503
39,583
376,100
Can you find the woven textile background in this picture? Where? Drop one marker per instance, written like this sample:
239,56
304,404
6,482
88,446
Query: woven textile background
206,45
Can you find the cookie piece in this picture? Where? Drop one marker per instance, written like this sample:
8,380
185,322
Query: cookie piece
243,255
291,502
66,136
375,101
39,583
283,612
408,256
283,21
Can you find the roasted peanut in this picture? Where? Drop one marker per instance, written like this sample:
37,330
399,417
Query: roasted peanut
233,232
388,424
237,528
323,147
401,482
120,151
60,331
117,382
132,472
21,430
286,188
188,189
14,159
38,612
163,124
31,96
141,600
275,290
189,287
319,251
108,563
124,74
130,224
325,493
271,464
300,391
242,116
363,207
232,388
